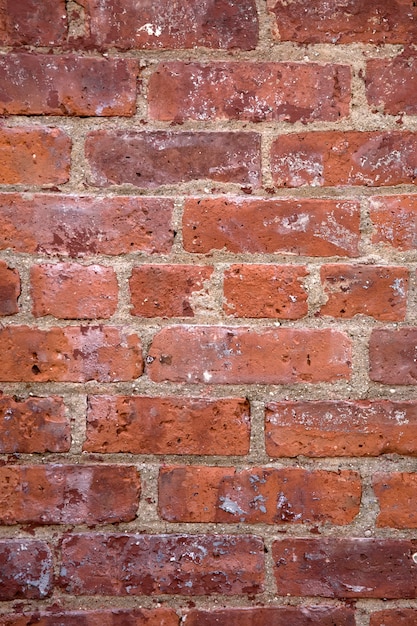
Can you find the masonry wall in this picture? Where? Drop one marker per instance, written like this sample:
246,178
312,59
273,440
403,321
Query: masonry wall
208,288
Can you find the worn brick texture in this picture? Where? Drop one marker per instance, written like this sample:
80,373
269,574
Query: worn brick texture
208,306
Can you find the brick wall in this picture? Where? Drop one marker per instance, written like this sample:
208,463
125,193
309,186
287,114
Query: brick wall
208,289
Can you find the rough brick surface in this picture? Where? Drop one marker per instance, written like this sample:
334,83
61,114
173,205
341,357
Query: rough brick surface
393,356
29,22
66,85
242,355
391,85
394,617
257,92
211,23
34,156
67,494
334,158
340,428
346,568
167,290
378,291
394,219
338,21
396,495
71,291
33,425
159,564
272,616
305,226
151,159
143,425
270,496
69,354
115,617
274,291
9,289
78,226
25,569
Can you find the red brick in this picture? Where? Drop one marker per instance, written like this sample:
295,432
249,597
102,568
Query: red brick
114,617
333,158
255,92
395,221
33,425
76,226
173,425
258,495
270,616
71,291
46,84
157,25
377,291
396,495
26,569
9,289
34,156
134,565
253,356
393,356
151,159
394,617
311,227
338,21
391,85
33,23
341,428
167,290
76,354
346,568
273,291
68,494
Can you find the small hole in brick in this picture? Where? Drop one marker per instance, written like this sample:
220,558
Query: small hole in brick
36,370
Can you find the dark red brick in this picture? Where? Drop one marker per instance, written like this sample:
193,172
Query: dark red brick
151,159
121,565
393,356
33,23
26,569
269,616
9,289
395,221
311,227
394,617
391,85
114,617
173,425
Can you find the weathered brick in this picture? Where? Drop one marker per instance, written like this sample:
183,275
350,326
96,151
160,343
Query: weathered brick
157,25
9,289
258,495
312,227
340,428
33,425
333,158
34,156
393,356
255,92
151,159
244,355
72,291
377,291
162,564
273,291
46,84
338,21
394,617
68,494
391,84
73,353
346,568
80,225
396,493
26,569
167,290
33,23
395,221
270,616
173,425
114,617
